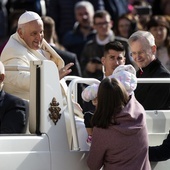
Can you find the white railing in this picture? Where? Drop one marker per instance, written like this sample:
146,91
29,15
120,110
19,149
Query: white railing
153,80
72,90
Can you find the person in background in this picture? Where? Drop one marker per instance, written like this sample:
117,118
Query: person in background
116,8
28,44
142,11
63,13
161,7
114,55
120,138
159,27
12,25
95,47
75,39
3,20
125,26
143,50
51,37
13,110
38,6
160,152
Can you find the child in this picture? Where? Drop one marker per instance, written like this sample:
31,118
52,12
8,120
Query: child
126,74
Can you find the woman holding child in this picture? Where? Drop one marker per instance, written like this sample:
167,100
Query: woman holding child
119,139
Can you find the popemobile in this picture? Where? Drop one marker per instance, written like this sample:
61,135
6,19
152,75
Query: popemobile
55,136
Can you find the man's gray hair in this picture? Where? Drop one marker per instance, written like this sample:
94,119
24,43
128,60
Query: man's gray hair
2,69
86,4
142,35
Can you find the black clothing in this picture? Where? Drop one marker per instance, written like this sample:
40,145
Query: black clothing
70,57
87,119
75,40
160,153
76,70
116,8
154,96
13,114
28,5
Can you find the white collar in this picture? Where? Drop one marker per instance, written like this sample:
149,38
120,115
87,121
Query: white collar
106,40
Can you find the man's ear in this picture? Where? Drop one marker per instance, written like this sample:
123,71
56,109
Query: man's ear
111,24
19,30
154,48
102,60
2,76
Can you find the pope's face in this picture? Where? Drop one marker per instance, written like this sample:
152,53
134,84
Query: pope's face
32,34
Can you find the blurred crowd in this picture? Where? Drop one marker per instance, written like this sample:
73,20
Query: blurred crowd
82,28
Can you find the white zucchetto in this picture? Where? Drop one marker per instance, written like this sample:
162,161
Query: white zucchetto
28,16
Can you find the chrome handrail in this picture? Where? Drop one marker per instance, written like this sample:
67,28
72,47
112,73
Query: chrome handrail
72,84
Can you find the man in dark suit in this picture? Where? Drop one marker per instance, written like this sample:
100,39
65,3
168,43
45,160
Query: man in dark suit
143,49
151,96
13,110
69,57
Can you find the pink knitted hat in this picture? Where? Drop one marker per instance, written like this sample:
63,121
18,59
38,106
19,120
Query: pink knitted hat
126,74
90,92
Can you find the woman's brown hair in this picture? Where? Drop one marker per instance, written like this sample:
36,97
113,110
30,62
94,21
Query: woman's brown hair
112,98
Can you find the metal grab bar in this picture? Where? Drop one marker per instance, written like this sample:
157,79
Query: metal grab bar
72,84
153,80
70,78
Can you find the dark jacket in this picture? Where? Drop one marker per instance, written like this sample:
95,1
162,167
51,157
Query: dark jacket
153,96
75,41
76,70
13,114
70,57
116,8
161,152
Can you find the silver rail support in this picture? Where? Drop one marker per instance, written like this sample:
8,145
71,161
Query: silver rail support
72,84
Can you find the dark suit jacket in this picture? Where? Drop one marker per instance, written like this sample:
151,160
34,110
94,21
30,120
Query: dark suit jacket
70,57
13,114
153,96
76,70
161,152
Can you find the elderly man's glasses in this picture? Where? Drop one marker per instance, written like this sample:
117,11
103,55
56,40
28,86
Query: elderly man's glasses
100,24
139,53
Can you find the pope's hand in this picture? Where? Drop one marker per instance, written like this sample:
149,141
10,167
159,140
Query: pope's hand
65,70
